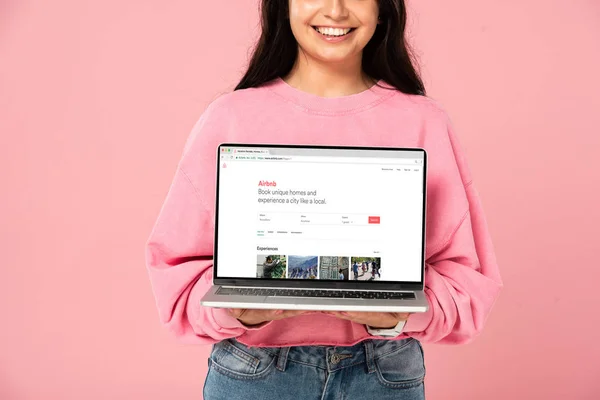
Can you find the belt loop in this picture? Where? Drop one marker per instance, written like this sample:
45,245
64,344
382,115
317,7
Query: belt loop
370,355
282,358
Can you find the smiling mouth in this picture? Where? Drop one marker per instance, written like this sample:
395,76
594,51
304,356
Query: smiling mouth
333,32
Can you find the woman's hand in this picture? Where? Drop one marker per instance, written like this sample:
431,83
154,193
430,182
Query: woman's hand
376,320
252,318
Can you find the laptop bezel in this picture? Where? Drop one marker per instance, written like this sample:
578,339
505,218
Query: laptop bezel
315,283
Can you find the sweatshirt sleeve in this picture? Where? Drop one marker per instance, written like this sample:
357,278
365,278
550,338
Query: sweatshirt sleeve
180,248
462,281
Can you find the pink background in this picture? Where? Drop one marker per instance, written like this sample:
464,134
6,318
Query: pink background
98,97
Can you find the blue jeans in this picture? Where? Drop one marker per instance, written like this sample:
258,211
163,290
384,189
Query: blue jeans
373,369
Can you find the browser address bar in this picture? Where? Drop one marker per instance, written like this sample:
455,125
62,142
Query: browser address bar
363,160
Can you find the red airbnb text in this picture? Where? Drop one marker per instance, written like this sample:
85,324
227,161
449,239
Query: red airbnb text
267,183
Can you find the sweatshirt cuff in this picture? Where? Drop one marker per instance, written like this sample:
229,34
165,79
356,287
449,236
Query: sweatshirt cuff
418,322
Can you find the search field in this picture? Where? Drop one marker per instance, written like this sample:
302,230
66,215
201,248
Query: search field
295,219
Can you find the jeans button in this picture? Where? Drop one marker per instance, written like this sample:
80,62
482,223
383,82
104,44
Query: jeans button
335,359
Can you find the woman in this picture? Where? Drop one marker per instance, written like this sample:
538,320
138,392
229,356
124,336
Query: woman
334,72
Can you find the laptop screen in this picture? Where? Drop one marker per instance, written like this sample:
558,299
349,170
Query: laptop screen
323,213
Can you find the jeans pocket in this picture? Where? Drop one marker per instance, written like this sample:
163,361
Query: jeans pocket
401,364
235,360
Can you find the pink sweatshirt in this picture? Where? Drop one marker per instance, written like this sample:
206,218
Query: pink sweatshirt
462,279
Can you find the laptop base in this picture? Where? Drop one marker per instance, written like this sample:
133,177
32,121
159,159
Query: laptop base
414,305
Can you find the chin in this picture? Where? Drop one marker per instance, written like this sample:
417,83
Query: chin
335,58
328,54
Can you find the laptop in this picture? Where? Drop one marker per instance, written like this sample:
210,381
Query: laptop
319,228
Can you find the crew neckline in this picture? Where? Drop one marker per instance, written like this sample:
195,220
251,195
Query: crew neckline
313,103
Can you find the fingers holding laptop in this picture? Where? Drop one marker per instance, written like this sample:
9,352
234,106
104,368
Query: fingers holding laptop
378,320
251,317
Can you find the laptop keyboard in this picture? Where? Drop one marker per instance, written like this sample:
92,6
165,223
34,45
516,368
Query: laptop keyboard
337,294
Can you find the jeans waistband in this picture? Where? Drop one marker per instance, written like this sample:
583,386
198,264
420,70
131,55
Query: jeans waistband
333,358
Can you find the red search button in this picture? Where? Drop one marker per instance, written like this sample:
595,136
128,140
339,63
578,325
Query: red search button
374,220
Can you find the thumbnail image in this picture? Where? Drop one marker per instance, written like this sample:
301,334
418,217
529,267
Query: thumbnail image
365,268
303,267
334,268
270,266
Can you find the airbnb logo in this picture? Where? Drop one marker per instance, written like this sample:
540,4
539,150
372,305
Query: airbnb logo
267,183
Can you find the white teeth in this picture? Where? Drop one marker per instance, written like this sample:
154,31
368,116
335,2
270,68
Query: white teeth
333,31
